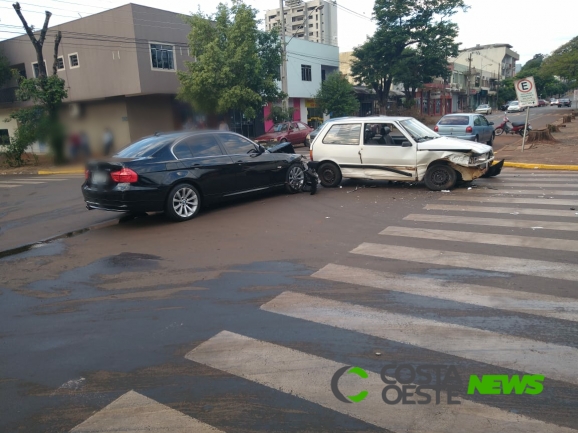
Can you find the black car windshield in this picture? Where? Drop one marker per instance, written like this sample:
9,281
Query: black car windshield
145,147
418,131
278,127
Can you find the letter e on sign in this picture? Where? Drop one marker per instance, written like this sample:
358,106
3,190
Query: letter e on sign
526,92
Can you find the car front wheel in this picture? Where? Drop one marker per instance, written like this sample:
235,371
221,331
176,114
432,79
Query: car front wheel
440,177
183,202
294,179
491,142
329,175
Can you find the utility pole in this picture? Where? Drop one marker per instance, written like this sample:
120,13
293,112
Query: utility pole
284,87
469,79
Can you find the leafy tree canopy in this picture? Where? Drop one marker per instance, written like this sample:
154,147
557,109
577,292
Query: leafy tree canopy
423,25
236,65
563,62
336,96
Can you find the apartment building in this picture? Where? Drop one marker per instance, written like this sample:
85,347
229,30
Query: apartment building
120,68
314,21
498,59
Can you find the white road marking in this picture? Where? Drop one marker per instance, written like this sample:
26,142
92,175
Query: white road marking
133,412
483,199
9,186
517,353
483,238
494,222
507,184
309,377
508,265
521,192
23,182
485,296
504,210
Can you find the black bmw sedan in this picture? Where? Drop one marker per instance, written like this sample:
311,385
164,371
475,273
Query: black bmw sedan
178,172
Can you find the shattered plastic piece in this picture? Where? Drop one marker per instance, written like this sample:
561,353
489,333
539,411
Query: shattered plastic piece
327,217
340,186
534,228
378,353
572,208
470,187
514,213
446,190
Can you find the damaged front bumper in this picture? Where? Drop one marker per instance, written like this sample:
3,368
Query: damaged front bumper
471,166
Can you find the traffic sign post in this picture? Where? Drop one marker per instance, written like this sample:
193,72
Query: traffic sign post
527,97
576,98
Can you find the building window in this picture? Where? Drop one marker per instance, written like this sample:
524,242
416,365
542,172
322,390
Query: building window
310,33
310,25
36,69
305,72
162,57
316,25
60,63
73,61
4,137
322,74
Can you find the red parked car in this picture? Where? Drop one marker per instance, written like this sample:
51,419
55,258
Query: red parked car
541,103
292,132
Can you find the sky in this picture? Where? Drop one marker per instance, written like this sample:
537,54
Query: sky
530,26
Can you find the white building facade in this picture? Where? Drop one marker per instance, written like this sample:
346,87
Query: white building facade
314,21
498,59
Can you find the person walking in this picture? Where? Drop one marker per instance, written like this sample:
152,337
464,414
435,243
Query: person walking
107,141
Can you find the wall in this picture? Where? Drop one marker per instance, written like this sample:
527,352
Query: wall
172,30
149,114
308,53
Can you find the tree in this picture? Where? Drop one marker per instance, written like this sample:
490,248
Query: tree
546,83
336,96
278,115
563,62
416,67
236,65
41,121
423,25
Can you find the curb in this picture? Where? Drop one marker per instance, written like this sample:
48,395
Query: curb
541,166
70,234
69,171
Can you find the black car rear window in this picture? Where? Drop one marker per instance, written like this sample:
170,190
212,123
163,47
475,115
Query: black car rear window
454,120
145,147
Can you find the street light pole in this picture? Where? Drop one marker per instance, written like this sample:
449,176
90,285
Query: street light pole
284,87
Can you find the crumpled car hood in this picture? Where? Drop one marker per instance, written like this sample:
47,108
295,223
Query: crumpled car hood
454,144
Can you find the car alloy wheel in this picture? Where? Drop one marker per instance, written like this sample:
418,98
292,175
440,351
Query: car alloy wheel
183,202
295,178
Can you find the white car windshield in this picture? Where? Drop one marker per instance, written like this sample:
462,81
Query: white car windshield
418,131
514,103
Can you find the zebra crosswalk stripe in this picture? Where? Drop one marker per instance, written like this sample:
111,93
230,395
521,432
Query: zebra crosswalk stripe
8,186
484,296
133,412
495,222
309,377
482,238
515,184
517,353
484,199
508,265
522,192
503,210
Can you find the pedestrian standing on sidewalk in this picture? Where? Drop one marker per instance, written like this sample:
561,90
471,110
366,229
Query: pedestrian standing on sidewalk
223,125
107,141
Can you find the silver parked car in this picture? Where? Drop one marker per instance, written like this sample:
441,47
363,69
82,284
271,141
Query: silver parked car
484,108
472,127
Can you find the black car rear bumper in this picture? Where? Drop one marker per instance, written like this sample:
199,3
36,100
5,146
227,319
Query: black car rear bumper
121,201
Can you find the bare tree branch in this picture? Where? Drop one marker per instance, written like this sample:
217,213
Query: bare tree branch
56,44
37,43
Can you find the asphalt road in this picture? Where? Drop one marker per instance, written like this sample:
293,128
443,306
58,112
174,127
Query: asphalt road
240,318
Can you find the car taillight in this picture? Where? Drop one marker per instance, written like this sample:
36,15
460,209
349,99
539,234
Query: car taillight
126,175
86,174
469,129
436,129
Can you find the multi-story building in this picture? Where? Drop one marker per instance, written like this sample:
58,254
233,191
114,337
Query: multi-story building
314,21
498,59
120,68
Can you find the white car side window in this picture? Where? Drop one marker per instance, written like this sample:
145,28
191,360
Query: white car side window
346,134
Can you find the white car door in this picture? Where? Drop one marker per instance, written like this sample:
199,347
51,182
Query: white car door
341,145
387,153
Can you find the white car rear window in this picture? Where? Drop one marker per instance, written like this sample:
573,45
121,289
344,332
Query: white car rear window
347,134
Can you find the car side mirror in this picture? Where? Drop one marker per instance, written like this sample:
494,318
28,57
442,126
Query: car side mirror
406,144
490,123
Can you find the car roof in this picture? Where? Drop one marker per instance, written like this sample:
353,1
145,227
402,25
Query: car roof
373,119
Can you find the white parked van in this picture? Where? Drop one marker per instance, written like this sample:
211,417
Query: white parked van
395,148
